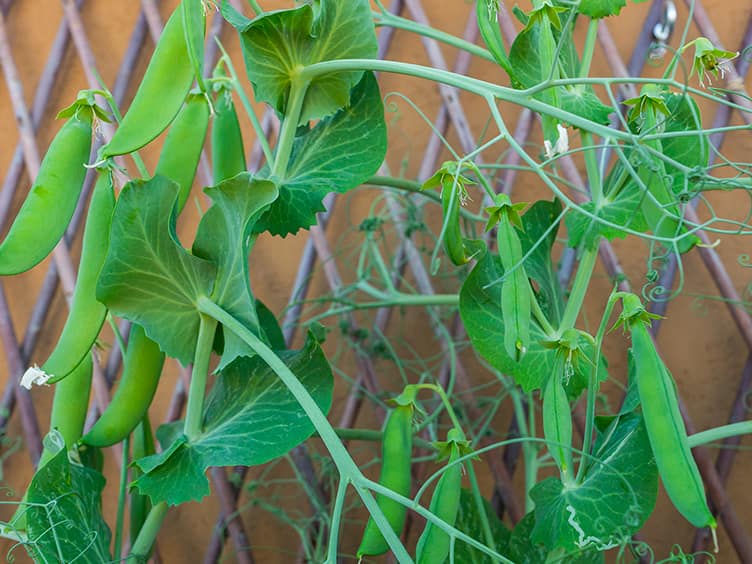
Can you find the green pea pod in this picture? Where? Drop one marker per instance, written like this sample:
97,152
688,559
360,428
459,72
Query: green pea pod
182,149
51,202
228,154
194,26
453,241
557,420
396,458
86,314
487,13
166,83
668,437
516,295
434,543
142,369
70,404
143,445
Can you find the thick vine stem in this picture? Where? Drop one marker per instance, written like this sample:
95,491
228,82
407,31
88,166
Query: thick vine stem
289,126
148,534
195,409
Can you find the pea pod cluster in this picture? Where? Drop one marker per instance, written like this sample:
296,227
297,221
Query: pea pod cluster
663,421
396,459
51,202
86,315
434,543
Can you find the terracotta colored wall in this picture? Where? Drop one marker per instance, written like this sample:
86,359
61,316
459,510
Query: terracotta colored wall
702,347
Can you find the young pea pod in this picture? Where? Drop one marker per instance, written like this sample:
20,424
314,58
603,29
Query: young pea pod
52,200
396,458
557,419
453,242
142,368
663,421
166,83
434,544
182,149
487,13
516,294
86,314
228,154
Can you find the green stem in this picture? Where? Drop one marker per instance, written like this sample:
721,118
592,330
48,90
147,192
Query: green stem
589,49
541,318
480,507
531,456
591,165
298,89
579,289
148,534
339,503
195,409
720,433
403,299
371,435
340,456
121,498
255,7
388,19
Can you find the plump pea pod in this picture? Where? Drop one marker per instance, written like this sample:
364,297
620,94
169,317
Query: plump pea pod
396,457
70,404
143,445
194,27
516,295
434,543
487,13
142,368
166,83
180,155
557,420
86,314
228,154
668,437
49,206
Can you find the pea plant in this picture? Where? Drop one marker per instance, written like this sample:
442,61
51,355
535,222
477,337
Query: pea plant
645,159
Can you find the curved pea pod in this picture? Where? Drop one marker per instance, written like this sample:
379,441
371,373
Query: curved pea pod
166,83
486,12
228,154
396,458
51,202
668,437
180,155
86,314
434,544
557,420
142,368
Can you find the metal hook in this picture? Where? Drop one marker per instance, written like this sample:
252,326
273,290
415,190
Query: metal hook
663,30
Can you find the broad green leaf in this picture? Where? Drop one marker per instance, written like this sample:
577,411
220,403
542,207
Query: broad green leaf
615,498
469,522
525,58
148,277
64,516
338,154
270,327
250,418
224,237
278,44
623,209
480,307
522,549
539,266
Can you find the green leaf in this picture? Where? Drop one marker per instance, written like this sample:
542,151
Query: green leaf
338,154
278,44
691,149
600,8
250,418
224,237
64,516
270,327
469,522
148,277
622,208
522,549
539,266
616,496
480,308
525,57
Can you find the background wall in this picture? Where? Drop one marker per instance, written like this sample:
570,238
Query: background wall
700,342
